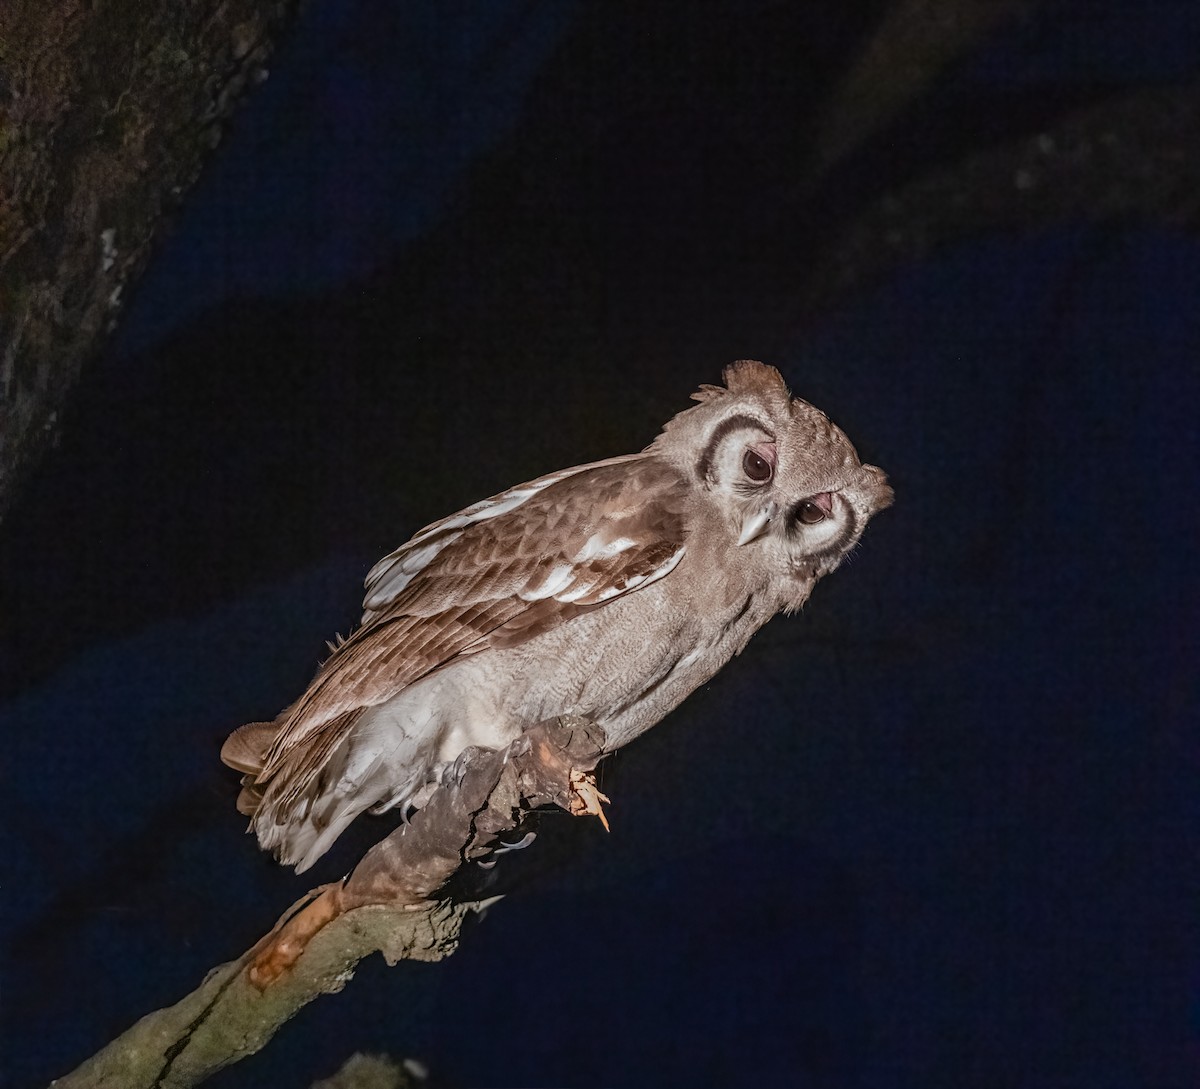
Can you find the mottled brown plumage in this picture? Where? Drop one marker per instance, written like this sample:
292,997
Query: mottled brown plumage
609,590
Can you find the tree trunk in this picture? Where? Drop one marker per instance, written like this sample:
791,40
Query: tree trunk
107,111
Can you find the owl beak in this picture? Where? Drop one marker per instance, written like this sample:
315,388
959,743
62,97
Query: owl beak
756,524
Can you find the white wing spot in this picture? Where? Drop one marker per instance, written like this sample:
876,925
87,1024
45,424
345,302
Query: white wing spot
557,581
580,589
625,585
596,548
668,565
393,573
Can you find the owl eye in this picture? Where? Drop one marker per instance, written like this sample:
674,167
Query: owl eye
809,513
756,467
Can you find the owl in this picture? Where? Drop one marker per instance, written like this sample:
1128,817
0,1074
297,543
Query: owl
609,590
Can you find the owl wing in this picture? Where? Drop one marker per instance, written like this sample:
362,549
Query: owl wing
493,575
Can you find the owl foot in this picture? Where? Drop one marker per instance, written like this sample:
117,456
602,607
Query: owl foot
280,949
586,797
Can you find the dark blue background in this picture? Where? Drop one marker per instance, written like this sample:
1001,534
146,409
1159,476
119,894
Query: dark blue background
939,829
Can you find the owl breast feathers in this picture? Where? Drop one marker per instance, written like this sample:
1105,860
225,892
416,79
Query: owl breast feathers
609,590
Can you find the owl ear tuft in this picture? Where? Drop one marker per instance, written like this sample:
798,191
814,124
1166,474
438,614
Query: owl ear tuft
709,392
744,376
751,376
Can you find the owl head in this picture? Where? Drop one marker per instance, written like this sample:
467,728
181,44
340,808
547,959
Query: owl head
779,476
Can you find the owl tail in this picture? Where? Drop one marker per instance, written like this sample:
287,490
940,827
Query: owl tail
300,807
300,830
301,844
245,750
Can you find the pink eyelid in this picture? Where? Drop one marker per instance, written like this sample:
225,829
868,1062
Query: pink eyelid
766,451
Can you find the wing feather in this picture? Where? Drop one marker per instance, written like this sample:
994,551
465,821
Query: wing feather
495,574
397,569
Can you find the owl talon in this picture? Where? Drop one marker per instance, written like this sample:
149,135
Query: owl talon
586,797
520,845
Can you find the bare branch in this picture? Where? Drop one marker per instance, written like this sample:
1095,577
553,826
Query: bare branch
388,904
1135,157
915,42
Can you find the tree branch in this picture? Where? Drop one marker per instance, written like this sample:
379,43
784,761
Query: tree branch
389,904
1134,157
915,41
